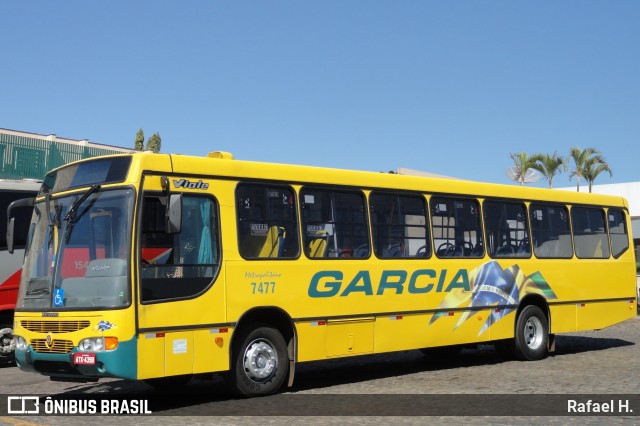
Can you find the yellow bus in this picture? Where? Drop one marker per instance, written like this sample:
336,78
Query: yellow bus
159,267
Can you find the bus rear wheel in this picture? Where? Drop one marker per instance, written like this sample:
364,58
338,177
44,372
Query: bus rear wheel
260,362
531,342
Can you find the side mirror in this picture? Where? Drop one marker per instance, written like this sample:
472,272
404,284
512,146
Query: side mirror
10,225
174,213
23,202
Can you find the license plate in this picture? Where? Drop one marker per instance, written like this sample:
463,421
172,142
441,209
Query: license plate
84,359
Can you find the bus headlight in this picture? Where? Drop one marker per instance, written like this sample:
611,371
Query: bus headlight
21,343
98,344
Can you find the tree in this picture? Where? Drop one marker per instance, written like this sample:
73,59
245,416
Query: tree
593,169
138,145
584,160
549,165
522,164
154,143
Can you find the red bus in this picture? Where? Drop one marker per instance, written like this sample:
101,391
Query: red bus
11,263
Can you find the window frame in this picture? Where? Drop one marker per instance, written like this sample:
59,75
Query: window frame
527,229
574,221
216,241
295,222
626,230
339,253
479,230
548,204
427,225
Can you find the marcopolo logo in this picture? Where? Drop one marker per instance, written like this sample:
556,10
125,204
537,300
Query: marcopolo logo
184,183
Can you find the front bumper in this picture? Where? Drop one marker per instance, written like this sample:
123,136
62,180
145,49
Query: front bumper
119,363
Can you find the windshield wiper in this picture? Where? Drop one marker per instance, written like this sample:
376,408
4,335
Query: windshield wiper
71,218
71,214
39,292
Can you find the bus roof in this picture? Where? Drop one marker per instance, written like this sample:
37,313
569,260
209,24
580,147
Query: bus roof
223,165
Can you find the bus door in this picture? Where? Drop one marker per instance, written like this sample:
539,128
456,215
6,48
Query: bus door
180,306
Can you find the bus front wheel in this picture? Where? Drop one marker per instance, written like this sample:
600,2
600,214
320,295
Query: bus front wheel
532,334
7,344
260,362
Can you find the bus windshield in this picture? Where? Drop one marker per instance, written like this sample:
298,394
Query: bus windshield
78,251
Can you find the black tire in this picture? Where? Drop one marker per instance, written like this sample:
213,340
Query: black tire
531,341
260,362
7,345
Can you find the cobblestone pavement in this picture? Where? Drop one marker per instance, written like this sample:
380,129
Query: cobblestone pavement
595,363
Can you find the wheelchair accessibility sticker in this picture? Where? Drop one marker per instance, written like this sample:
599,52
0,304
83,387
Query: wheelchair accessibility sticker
58,297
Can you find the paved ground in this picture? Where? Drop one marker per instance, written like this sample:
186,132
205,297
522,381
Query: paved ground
605,362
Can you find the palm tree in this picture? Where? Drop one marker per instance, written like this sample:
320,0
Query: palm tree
583,159
593,168
549,165
522,164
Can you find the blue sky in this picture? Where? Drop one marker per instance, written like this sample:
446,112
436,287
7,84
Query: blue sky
449,87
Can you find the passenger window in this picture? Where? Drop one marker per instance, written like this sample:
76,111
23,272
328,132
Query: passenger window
399,225
507,232
550,231
456,227
190,256
618,232
589,233
334,224
267,225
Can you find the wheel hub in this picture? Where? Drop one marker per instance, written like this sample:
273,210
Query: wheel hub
533,333
260,360
7,344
